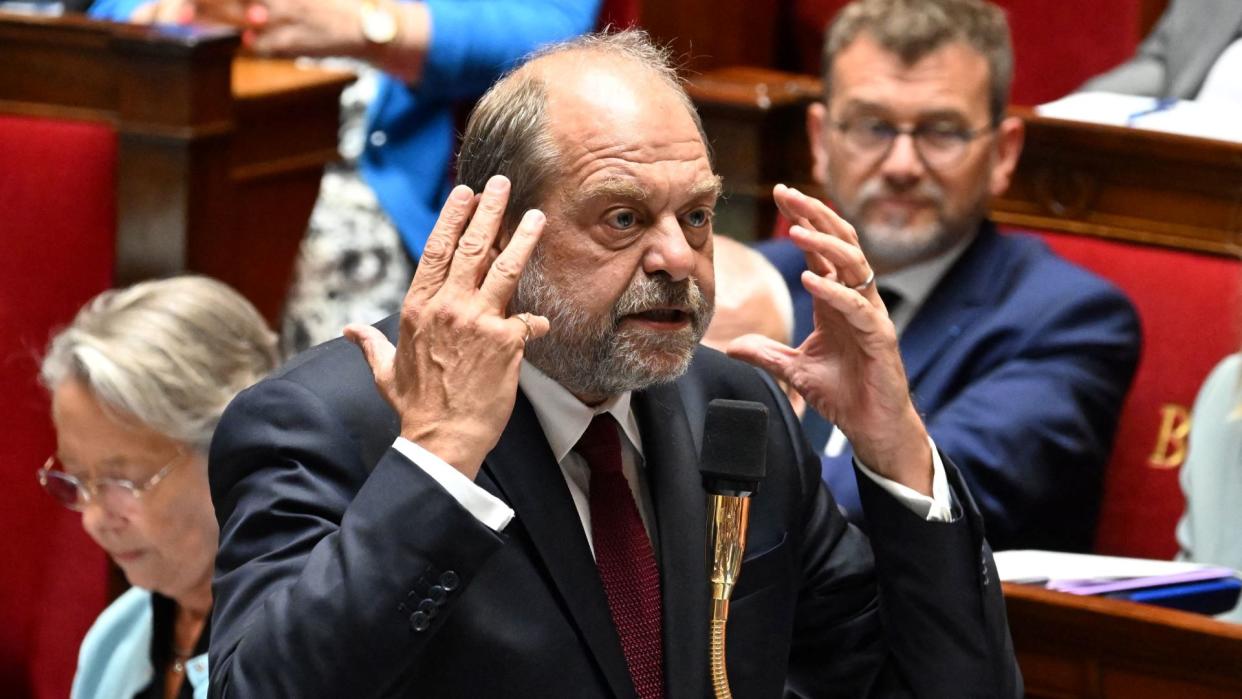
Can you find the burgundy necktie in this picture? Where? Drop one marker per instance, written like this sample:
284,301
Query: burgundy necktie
624,557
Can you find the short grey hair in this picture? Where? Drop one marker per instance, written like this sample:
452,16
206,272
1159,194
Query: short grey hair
913,29
507,133
169,354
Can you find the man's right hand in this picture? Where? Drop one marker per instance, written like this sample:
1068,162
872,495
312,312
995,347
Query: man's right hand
453,376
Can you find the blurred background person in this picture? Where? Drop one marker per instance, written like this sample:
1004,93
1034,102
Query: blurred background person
419,65
138,382
1019,360
751,297
1194,52
1211,477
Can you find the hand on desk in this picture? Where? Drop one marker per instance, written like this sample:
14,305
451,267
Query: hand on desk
849,368
453,376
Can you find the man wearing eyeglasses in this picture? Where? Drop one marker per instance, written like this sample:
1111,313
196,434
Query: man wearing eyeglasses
1019,360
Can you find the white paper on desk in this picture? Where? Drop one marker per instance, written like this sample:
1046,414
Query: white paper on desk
1222,122
1097,107
1218,120
1054,565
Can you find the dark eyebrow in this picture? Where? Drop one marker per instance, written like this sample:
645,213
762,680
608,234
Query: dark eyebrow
946,113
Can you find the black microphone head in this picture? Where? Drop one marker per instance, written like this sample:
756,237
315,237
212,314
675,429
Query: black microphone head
735,445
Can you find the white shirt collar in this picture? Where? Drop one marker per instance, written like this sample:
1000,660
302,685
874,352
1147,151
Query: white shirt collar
564,418
916,282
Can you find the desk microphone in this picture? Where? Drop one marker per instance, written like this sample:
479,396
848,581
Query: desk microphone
732,464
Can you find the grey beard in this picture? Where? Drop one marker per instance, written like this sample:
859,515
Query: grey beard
591,355
894,246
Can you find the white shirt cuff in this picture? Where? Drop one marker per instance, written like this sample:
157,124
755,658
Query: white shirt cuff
487,508
937,508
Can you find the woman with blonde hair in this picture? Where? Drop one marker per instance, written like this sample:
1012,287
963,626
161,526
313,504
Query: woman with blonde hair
139,380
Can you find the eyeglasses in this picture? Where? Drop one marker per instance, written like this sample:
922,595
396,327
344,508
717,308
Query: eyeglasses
116,494
940,144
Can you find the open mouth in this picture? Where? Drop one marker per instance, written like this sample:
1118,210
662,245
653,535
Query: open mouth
662,316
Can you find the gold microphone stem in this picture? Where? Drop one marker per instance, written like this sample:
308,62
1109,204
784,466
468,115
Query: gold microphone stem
728,516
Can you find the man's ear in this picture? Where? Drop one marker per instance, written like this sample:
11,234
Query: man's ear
1009,137
816,118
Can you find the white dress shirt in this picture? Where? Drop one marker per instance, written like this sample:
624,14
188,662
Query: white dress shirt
916,282
564,419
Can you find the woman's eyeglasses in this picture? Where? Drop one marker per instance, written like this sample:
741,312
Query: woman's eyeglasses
117,494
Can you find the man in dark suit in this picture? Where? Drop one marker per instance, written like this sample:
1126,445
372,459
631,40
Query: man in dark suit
1019,360
497,496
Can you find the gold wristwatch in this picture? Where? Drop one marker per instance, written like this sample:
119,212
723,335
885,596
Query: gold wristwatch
378,22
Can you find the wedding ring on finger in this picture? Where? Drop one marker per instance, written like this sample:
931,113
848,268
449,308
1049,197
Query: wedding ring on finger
863,287
522,317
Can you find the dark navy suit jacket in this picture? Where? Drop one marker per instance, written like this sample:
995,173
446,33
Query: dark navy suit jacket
346,571
1019,362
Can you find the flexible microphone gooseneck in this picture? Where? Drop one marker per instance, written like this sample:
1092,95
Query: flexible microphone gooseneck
732,464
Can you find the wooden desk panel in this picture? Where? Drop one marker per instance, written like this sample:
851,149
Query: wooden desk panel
1130,184
1072,647
218,167
755,120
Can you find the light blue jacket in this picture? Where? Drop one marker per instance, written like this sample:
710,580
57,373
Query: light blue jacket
410,130
115,659
1211,478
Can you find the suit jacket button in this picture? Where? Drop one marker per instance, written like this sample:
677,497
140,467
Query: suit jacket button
449,580
419,621
428,607
437,594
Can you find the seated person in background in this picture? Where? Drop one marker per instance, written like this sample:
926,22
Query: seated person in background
138,383
505,503
1212,475
1195,52
419,63
751,297
1018,359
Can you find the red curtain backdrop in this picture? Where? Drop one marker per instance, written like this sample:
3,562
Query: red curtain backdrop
57,227
1057,45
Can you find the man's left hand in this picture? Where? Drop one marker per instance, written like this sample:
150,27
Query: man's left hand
849,368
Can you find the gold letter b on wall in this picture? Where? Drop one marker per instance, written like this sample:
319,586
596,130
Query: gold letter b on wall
1170,449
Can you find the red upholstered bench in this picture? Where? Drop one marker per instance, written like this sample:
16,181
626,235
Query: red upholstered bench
1189,306
57,230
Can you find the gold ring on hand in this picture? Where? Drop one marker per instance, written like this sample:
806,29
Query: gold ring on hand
522,317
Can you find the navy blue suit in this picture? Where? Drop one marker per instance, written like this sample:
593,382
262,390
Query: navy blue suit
1019,362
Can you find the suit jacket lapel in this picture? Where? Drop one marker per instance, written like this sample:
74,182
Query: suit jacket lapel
671,462
522,471
952,305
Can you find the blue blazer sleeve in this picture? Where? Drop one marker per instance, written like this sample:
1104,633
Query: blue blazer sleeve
473,41
115,10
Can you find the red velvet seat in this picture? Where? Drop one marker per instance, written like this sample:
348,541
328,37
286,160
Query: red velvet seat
57,227
1189,307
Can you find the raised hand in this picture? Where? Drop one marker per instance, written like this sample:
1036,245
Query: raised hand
849,368
452,378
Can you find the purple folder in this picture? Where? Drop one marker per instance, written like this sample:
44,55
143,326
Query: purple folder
1103,586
